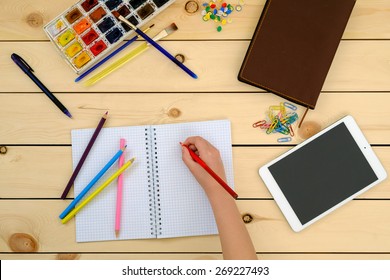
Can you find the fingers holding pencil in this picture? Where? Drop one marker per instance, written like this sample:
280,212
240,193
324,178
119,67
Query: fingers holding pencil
205,163
207,152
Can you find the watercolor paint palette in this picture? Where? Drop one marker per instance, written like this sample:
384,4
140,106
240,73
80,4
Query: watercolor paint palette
90,29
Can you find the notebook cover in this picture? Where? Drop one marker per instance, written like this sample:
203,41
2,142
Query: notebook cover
293,47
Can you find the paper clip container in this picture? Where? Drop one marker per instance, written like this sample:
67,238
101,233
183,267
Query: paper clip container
89,30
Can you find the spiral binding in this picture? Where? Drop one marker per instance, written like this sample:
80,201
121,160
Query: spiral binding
156,183
150,184
153,182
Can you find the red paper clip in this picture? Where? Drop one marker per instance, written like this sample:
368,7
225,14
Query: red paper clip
259,124
291,130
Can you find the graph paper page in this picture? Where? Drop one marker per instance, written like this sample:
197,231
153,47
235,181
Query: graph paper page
96,221
185,209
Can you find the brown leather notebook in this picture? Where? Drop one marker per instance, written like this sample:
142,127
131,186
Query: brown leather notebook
293,47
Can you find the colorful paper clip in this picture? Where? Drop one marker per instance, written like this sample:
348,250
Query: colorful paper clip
259,123
291,130
290,106
282,129
280,120
284,139
273,125
289,118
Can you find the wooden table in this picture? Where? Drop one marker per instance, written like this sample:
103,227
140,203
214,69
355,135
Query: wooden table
35,159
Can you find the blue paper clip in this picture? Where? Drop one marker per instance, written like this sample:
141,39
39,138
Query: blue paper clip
284,139
282,129
289,119
290,106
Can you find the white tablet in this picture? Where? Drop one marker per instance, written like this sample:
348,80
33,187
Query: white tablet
322,173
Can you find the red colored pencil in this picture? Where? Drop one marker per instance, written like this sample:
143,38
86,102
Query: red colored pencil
211,172
84,156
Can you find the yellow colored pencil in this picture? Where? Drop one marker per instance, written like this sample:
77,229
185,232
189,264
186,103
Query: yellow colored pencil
117,64
126,58
96,192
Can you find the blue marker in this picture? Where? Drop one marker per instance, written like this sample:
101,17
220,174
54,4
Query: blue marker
29,72
92,183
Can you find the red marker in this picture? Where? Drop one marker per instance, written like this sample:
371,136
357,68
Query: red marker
211,172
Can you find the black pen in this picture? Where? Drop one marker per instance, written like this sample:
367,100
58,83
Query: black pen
29,72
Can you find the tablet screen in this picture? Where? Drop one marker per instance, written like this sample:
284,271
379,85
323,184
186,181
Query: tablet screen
322,173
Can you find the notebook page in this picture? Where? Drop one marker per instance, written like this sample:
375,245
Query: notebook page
96,221
185,209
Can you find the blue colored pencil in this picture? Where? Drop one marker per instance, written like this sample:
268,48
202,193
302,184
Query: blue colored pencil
92,183
158,47
104,60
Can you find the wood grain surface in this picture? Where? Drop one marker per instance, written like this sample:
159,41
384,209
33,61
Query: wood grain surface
35,143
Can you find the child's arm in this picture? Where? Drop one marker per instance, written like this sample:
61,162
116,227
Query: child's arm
235,240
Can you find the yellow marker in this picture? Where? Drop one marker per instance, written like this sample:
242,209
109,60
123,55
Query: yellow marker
132,54
96,192
117,64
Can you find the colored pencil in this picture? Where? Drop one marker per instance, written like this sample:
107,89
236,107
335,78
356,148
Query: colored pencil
96,192
119,192
211,172
127,57
104,60
158,47
84,156
116,65
92,183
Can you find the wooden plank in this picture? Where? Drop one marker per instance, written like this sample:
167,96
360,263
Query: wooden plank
358,227
217,71
182,256
24,19
36,172
33,119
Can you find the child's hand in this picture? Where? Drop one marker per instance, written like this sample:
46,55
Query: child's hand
235,240
210,155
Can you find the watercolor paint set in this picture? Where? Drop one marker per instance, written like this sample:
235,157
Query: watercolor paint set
90,29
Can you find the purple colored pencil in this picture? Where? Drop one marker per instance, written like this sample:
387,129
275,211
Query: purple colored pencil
84,156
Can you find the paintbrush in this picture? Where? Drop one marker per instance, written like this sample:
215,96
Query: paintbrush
115,52
134,53
158,47
164,33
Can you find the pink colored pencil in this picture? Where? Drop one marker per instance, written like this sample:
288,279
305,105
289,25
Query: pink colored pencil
119,192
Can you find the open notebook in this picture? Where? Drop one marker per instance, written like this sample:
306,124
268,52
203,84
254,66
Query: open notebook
161,198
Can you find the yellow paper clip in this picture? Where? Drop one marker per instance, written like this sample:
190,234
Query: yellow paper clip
282,108
274,123
273,111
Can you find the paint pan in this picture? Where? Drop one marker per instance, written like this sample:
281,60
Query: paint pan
89,30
